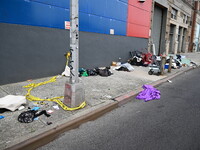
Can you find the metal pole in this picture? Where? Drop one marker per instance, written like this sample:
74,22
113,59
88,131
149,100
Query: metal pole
74,91
162,68
170,64
74,41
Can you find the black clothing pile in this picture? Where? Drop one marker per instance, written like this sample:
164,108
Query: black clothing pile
30,115
105,72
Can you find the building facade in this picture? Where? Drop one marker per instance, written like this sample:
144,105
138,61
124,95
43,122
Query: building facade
172,26
195,47
34,34
34,38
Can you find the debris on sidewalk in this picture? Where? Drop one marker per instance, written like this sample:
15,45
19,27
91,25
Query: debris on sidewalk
192,64
30,115
1,117
125,67
114,63
21,107
12,102
50,111
56,107
140,58
104,72
66,72
136,58
37,118
169,81
54,99
149,93
91,72
83,72
35,108
107,96
49,123
2,110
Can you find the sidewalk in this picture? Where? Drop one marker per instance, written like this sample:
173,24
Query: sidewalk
101,94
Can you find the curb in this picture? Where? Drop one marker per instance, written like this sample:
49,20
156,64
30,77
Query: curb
50,135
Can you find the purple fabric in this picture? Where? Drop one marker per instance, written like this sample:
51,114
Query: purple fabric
149,93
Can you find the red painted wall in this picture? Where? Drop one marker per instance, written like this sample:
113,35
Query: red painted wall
139,16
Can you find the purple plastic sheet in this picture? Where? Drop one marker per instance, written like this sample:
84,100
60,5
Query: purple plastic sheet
149,93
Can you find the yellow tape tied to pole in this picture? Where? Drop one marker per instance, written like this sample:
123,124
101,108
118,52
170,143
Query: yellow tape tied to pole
54,99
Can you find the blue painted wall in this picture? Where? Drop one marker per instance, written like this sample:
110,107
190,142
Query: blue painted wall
95,15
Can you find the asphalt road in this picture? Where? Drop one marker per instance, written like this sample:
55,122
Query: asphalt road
170,123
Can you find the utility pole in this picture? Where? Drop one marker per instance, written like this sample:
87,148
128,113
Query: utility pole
74,91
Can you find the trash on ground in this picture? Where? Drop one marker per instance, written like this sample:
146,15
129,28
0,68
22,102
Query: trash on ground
35,108
114,63
1,117
107,96
83,72
56,107
67,69
91,72
66,72
169,81
149,93
42,103
12,102
126,67
140,58
121,68
192,64
179,60
136,58
21,107
2,110
30,115
37,118
104,72
118,64
49,123
54,99
50,111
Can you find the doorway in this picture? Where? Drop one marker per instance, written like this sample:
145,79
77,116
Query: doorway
172,38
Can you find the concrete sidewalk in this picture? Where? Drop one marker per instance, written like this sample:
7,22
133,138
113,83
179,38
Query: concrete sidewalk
102,94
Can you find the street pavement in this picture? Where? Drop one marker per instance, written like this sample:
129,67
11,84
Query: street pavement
170,123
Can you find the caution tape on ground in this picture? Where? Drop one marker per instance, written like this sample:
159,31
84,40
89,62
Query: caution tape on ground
54,99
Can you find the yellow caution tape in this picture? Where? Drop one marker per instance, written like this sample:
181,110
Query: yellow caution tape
67,58
54,99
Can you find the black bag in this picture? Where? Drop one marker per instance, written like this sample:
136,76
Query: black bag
103,72
92,72
30,115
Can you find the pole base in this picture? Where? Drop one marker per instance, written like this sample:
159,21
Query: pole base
74,94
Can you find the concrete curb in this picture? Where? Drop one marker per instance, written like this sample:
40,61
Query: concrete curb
48,136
